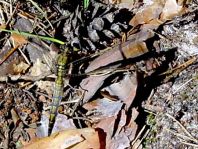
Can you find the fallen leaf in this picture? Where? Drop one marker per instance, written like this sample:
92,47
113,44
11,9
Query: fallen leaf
74,138
47,86
62,123
20,68
105,107
107,125
7,55
170,10
120,141
147,14
38,68
157,13
129,50
125,90
91,85
19,39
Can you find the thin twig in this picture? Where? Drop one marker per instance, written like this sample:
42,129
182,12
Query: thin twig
78,121
69,102
24,56
139,134
179,135
11,14
2,15
41,11
181,86
139,143
190,144
184,129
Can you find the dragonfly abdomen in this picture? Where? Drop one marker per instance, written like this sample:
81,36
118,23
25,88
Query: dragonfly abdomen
58,90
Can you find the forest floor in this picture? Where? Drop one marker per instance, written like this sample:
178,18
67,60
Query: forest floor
116,74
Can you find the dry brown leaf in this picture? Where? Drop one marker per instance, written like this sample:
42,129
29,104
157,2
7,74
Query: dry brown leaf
129,4
107,125
121,123
62,123
170,10
92,84
19,39
20,68
73,138
125,90
47,86
7,55
8,59
91,142
31,134
157,13
124,134
105,108
119,133
129,49
132,127
121,141
148,14
38,68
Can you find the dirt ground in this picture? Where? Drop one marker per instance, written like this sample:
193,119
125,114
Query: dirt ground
99,74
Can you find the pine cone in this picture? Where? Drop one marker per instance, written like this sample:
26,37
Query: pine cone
95,27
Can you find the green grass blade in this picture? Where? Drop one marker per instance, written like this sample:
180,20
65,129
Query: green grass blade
33,35
86,3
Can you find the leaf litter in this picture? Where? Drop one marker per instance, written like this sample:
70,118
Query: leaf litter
139,93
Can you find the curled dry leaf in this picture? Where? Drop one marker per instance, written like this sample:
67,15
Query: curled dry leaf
105,107
125,90
72,138
125,133
157,13
107,125
92,84
129,49
120,141
121,123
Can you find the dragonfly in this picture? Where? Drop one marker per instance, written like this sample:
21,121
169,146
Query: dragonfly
62,61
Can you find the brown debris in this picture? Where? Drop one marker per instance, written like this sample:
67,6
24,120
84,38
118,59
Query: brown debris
138,92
